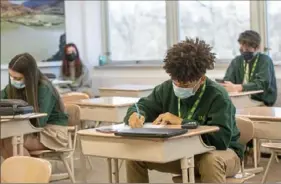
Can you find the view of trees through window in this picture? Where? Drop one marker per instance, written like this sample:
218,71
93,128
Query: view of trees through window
274,29
219,23
137,30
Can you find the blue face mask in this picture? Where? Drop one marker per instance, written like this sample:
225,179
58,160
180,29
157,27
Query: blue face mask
17,84
183,93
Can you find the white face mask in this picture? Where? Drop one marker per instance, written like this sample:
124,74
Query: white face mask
17,84
183,93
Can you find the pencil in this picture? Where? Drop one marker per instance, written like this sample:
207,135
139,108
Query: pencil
137,108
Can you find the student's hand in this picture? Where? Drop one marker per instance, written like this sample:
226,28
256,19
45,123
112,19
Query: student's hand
230,87
135,121
167,118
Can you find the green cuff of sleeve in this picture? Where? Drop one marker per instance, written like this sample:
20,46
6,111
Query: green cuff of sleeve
249,87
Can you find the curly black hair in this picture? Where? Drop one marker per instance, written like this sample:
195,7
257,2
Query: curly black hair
250,38
188,60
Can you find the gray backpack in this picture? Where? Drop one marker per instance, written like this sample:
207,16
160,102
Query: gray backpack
11,107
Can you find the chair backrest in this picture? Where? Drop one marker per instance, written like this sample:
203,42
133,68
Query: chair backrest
73,112
74,96
23,169
246,128
74,122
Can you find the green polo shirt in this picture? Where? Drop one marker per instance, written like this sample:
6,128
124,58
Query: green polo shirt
214,109
263,77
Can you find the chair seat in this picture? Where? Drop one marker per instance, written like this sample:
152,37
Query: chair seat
272,145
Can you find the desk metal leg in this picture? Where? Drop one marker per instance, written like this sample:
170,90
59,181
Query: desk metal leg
184,167
21,145
109,170
191,170
83,163
255,148
15,145
256,169
268,166
116,170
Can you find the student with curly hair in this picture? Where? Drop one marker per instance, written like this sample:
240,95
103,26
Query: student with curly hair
190,95
252,70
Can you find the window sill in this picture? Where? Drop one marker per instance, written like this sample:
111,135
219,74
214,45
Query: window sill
40,65
133,65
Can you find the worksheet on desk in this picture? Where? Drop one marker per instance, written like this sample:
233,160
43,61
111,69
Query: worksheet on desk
123,126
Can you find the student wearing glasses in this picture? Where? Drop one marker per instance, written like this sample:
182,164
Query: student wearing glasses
190,95
252,70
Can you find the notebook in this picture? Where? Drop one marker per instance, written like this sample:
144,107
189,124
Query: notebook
151,132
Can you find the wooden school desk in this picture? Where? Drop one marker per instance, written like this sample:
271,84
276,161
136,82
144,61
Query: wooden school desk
127,90
183,148
243,100
267,125
106,109
61,82
16,127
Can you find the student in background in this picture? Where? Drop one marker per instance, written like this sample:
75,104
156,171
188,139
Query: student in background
190,95
74,70
252,70
26,82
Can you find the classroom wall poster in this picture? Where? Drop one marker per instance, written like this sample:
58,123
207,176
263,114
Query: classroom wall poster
33,26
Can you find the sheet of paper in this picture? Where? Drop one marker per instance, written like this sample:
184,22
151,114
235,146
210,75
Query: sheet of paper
123,126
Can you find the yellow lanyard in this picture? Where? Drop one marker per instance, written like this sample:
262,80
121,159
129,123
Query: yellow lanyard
195,105
248,77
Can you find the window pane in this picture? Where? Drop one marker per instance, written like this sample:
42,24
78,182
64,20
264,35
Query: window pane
219,23
137,30
274,29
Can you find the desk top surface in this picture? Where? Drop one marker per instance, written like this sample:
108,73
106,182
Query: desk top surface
192,132
23,116
57,81
245,93
269,113
129,87
108,101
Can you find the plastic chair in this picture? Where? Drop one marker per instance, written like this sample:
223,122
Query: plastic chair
246,128
63,155
73,96
23,169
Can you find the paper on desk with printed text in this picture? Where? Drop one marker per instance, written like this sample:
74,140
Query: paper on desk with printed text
123,126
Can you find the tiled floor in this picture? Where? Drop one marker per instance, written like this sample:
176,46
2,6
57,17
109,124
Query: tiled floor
99,173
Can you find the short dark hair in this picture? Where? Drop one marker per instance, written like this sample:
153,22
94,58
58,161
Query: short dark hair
188,60
250,38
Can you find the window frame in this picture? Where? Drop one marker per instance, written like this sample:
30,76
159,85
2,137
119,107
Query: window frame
258,22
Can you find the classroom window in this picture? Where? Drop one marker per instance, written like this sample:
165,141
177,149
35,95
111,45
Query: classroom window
137,30
274,29
219,23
